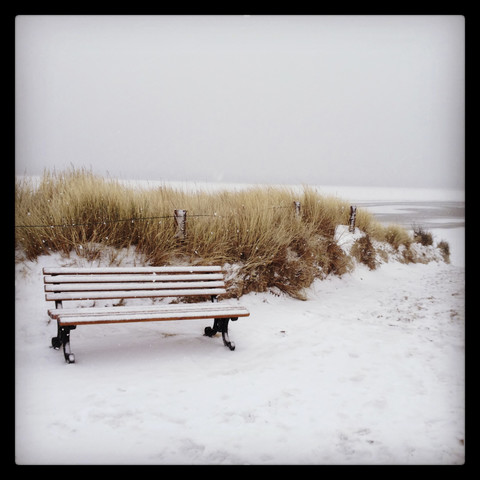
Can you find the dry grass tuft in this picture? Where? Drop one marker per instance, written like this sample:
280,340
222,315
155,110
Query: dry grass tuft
364,252
257,229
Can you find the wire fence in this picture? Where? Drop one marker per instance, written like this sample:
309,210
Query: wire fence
180,218
106,222
136,219
180,227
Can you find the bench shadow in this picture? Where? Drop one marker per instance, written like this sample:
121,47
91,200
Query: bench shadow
114,344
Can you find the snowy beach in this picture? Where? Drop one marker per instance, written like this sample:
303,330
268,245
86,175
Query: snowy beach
369,370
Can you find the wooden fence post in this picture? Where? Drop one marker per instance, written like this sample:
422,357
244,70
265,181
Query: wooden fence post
181,222
297,208
351,222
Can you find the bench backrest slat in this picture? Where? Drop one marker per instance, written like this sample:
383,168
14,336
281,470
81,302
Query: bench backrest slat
86,287
123,277
76,283
133,294
117,270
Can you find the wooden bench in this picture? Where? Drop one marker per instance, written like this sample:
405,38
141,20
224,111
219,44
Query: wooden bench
118,283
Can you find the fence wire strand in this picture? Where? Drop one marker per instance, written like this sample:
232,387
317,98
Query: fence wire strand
133,219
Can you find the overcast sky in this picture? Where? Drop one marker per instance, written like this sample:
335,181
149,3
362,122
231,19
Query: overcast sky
321,100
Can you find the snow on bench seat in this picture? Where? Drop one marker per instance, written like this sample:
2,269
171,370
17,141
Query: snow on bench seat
82,316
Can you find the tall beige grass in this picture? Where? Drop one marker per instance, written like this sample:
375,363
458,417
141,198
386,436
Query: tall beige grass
258,228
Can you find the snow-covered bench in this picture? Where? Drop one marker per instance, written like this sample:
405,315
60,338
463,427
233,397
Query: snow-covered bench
118,283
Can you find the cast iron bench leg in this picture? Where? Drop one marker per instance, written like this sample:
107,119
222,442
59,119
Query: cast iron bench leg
57,341
63,339
221,325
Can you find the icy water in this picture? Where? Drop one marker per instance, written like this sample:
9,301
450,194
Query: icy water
427,214
444,219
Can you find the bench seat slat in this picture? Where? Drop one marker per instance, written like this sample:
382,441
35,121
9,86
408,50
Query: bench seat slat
102,319
151,277
133,294
83,287
55,313
119,315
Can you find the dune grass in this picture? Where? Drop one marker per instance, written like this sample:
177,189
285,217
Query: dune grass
257,229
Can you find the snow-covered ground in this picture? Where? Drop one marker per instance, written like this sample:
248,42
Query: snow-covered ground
369,370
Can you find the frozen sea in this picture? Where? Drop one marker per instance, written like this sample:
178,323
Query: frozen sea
444,219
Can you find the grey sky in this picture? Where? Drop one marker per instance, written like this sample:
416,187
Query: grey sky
342,100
